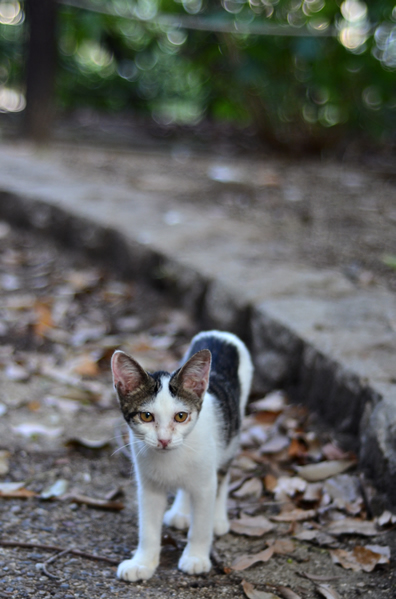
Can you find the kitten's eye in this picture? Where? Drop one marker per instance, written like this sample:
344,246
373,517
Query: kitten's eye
181,416
146,417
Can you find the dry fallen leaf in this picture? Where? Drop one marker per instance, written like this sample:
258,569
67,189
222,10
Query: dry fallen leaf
386,518
57,489
85,365
43,312
266,418
270,482
245,561
297,449
296,515
15,491
316,472
381,549
276,444
252,593
8,487
245,463
287,593
250,488
331,451
258,434
4,461
82,280
16,372
316,536
256,526
352,526
361,558
327,591
288,486
313,492
273,402
280,546
94,502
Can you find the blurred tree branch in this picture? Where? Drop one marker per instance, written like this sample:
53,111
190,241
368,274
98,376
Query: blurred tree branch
41,65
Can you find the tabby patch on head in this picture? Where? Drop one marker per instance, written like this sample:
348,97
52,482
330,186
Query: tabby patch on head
134,385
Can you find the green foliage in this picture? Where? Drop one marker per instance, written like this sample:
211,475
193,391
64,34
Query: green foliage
389,260
11,55
296,69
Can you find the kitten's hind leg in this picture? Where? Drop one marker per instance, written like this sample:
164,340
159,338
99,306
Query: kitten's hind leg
178,515
221,522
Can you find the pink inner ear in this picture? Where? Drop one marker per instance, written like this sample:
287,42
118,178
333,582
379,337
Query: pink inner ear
195,373
127,374
197,386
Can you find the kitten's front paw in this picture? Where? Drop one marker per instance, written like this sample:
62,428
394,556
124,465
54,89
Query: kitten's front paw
177,519
194,564
134,569
221,526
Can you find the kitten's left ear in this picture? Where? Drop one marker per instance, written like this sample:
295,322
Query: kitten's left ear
128,375
193,377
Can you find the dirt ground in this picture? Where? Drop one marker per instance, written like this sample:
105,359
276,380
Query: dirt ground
61,319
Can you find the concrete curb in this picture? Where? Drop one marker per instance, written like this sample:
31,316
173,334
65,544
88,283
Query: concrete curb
363,414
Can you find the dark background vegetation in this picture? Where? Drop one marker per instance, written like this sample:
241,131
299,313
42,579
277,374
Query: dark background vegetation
297,74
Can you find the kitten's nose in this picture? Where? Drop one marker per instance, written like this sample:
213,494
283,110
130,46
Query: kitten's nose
164,442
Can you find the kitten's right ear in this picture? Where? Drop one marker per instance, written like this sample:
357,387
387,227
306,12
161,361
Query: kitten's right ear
128,375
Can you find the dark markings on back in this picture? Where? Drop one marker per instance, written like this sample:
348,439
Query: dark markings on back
224,381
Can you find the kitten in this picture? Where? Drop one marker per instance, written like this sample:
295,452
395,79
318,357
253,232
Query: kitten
184,433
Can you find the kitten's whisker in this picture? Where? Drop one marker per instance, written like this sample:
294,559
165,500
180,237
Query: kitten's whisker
144,448
121,448
190,447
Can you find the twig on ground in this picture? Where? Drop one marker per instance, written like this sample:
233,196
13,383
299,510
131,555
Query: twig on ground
83,554
114,493
50,560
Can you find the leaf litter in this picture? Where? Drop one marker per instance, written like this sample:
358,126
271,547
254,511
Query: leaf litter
59,335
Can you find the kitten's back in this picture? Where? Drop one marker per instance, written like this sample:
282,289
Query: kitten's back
230,376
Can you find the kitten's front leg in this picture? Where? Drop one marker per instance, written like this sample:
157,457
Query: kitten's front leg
195,558
144,562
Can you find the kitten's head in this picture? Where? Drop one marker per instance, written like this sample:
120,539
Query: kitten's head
161,408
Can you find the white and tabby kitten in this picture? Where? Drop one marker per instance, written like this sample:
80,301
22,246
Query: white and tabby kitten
184,433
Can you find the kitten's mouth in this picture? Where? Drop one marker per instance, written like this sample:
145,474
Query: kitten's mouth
165,448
